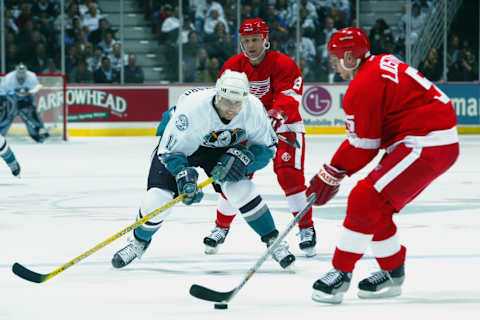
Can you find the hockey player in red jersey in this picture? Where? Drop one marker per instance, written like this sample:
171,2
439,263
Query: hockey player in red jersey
389,105
277,81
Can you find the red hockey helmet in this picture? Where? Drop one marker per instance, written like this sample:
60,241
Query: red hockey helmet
349,39
253,26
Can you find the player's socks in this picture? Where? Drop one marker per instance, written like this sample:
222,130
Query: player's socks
224,221
7,154
308,238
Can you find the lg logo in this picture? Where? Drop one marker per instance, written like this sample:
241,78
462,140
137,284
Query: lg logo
317,101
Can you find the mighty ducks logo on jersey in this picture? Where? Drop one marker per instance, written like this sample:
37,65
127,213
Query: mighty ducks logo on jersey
182,122
224,138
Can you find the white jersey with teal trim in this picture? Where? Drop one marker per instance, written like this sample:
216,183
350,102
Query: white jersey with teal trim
10,83
196,123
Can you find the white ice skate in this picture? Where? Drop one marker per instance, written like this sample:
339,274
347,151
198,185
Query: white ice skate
127,254
308,240
214,239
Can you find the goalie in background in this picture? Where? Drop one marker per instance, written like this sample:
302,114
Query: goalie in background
7,154
20,87
226,132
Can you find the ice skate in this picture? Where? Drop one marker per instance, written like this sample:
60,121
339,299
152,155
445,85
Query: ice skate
214,239
43,133
134,249
331,287
284,257
281,254
382,284
308,240
15,168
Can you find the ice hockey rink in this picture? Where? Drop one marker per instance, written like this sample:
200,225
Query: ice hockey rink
74,195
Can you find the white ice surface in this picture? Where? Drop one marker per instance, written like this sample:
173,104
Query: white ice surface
74,195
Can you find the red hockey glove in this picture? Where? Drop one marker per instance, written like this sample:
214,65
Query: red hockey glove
278,117
325,184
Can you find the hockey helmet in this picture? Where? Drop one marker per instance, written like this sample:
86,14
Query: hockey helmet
21,72
232,91
253,26
349,39
233,85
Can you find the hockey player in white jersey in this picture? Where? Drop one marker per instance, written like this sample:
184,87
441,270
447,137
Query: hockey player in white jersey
225,131
20,86
9,157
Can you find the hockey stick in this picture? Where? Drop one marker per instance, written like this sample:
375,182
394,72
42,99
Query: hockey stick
204,293
294,144
32,276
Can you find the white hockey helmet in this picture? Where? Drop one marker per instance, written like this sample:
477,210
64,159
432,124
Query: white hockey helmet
233,85
21,72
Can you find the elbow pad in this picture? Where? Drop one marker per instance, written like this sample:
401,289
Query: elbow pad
262,154
174,162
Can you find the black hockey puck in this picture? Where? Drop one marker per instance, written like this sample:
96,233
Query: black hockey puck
221,306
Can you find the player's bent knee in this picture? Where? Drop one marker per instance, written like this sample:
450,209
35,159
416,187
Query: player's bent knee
154,199
365,208
290,179
225,207
254,210
240,192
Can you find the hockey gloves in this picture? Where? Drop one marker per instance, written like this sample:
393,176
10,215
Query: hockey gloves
325,184
277,117
187,183
232,165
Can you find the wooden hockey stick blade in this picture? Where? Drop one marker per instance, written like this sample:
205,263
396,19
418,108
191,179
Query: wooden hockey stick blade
28,274
294,144
204,293
207,294
32,276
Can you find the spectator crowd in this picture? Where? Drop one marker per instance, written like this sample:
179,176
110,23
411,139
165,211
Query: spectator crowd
94,55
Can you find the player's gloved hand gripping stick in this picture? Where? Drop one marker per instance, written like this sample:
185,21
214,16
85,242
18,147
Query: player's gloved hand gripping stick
187,184
325,184
32,276
278,118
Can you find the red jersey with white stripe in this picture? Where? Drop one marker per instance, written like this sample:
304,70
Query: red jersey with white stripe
388,102
277,82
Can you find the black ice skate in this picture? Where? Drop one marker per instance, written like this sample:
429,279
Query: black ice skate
308,240
281,254
331,287
15,168
134,249
214,239
382,284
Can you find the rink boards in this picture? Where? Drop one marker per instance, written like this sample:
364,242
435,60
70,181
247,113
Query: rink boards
135,110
